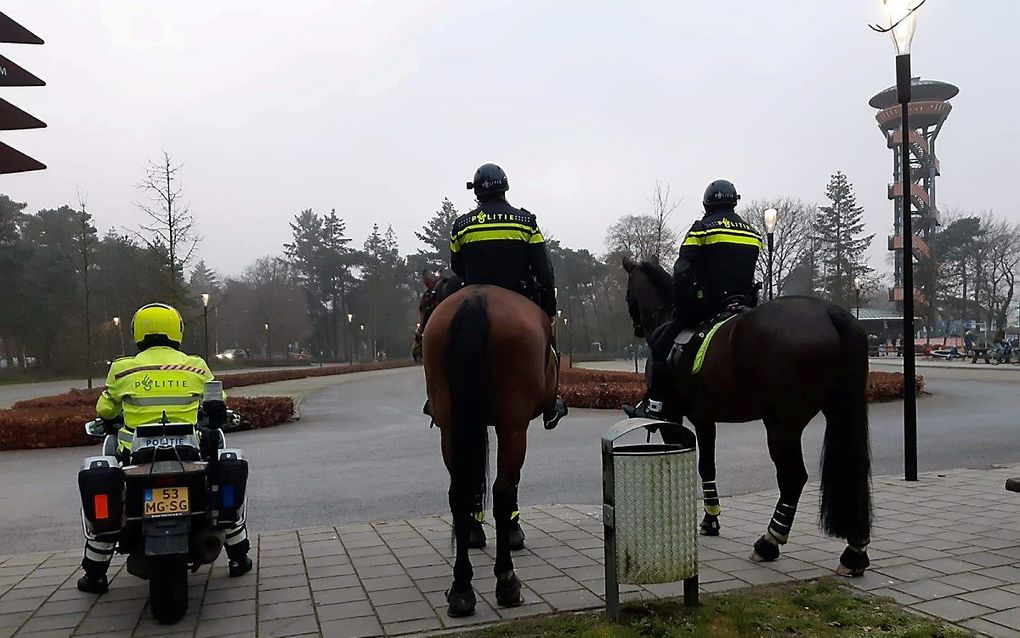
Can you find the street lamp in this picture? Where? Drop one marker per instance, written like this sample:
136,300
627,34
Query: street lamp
116,322
269,353
771,216
350,339
902,19
857,289
205,318
361,339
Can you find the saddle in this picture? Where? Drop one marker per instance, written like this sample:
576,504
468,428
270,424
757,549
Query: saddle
688,351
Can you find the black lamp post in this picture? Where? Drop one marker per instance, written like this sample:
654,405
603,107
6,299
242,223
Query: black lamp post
120,333
857,290
902,21
771,217
350,339
205,318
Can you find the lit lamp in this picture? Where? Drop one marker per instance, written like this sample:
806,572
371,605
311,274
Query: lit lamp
205,318
269,354
771,217
120,333
857,289
902,20
350,338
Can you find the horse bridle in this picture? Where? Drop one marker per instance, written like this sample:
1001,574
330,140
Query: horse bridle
428,305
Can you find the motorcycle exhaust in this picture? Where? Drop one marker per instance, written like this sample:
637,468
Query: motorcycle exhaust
206,545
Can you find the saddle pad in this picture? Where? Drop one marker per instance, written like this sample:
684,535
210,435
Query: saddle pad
703,348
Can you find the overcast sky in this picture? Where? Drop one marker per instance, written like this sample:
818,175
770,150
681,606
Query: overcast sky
380,109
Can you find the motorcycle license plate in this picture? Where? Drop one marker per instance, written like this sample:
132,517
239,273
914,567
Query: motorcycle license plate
162,441
166,501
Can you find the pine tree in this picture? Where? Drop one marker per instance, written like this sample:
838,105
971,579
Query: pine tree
436,236
203,279
840,230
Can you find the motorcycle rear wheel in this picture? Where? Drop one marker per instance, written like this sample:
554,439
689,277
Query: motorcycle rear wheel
168,589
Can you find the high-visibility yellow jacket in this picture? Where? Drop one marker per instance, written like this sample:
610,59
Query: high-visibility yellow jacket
156,380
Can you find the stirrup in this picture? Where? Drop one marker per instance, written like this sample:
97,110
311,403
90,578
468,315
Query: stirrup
552,417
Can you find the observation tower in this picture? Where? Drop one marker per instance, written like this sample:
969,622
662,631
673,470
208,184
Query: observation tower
928,110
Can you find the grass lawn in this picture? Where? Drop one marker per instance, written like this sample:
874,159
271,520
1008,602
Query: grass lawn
819,609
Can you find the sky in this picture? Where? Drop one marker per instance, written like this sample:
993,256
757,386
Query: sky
381,109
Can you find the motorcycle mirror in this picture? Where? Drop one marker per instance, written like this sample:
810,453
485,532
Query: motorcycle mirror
95,429
233,421
470,185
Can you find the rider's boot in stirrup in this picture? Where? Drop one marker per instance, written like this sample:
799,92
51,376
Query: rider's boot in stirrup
658,386
551,417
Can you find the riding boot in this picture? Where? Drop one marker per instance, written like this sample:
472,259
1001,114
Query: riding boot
238,562
552,415
652,407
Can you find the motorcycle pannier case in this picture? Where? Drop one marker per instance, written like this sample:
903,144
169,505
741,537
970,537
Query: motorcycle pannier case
101,483
228,478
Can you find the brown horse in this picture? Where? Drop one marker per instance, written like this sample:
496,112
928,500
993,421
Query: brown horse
783,363
487,363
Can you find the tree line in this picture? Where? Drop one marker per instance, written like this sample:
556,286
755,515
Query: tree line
69,293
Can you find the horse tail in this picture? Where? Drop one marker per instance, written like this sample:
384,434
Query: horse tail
469,335
846,455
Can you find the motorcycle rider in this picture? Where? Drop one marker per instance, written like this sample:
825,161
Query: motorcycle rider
501,245
159,379
716,262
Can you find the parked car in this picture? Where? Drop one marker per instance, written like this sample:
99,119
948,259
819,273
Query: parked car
234,354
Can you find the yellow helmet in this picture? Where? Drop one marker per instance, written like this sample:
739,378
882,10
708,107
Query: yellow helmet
158,319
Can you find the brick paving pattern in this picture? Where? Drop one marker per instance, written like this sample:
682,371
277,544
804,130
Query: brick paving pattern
948,546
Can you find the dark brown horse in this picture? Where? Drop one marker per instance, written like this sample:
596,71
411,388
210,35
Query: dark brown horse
487,363
783,363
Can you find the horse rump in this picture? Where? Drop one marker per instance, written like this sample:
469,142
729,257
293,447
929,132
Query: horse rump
846,510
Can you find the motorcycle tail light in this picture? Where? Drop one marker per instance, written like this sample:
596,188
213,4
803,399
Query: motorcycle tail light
102,507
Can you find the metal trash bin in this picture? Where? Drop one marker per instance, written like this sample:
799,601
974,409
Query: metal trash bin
650,510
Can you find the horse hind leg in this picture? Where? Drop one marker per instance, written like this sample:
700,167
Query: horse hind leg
505,511
785,450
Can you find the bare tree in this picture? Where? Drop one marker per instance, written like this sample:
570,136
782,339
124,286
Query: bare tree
83,245
171,226
634,235
666,237
1003,254
792,241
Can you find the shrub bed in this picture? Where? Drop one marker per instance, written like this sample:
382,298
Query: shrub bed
601,389
61,425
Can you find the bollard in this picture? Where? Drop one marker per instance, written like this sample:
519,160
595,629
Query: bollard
650,510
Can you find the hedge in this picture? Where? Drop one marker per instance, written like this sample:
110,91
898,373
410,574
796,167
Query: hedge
62,424
601,389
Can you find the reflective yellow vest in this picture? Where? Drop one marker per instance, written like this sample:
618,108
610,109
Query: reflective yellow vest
156,380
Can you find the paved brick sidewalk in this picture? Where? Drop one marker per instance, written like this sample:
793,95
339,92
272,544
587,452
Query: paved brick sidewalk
948,545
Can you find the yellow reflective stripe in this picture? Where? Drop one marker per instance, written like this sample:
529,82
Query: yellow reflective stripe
501,225
692,241
729,238
488,235
454,246
537,239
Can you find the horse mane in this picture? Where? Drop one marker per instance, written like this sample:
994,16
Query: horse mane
658,277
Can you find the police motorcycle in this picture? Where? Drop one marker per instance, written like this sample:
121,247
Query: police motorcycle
168,501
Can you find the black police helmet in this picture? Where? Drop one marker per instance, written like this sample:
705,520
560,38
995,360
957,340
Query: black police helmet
720,194
489,180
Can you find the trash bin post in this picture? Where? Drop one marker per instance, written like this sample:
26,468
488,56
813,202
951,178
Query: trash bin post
659,511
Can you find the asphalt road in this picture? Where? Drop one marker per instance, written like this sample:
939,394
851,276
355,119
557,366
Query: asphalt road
363,452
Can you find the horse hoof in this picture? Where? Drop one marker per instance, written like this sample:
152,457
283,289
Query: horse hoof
476,536
764,551
516,537
853,562
508,590
709,526
460,604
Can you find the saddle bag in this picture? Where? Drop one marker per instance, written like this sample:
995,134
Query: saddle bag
228,480
101,484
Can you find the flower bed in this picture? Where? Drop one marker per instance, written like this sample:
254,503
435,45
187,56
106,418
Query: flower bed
62,424
602,389
58,420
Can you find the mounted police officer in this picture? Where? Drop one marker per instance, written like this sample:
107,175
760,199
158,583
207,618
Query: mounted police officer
715,268
501,245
